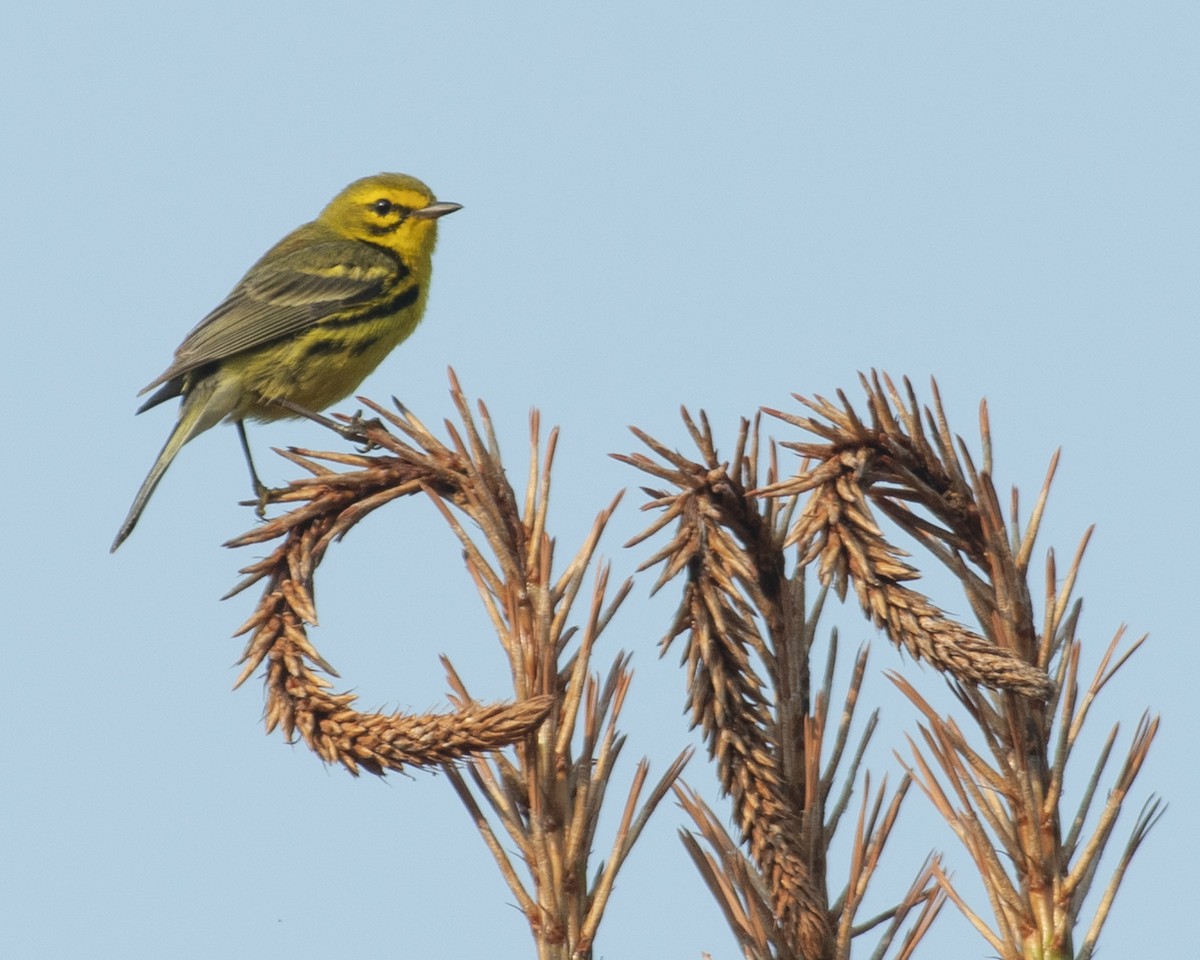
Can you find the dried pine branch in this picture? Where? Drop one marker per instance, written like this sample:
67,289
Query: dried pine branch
748,635
1001,795
298,699
548,799
547,794
894,462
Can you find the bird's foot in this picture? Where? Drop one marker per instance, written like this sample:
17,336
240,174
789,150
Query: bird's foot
357,430
261,494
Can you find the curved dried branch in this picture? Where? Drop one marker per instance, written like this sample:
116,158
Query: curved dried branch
895,464
731,548
748,636
297,695
1002,800
547,793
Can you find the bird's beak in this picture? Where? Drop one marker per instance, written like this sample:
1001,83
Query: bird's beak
435,210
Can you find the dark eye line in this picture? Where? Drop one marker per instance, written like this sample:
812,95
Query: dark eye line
384,207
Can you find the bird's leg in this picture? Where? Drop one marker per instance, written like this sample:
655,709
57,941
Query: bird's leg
355,431
260,489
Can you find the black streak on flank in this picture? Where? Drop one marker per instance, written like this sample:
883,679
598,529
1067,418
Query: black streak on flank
318,347
405,298
363,346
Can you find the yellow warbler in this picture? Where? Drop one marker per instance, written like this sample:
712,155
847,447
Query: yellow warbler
308,322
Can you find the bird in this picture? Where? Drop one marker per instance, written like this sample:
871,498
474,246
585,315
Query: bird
307,323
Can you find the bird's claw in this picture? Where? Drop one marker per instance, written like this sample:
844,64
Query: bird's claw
356,430
262,493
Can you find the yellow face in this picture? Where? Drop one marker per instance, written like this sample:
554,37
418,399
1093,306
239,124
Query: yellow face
389,209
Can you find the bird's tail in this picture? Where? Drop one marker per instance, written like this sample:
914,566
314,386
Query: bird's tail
195,416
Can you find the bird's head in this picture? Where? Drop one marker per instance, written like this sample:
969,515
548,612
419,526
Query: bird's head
389,209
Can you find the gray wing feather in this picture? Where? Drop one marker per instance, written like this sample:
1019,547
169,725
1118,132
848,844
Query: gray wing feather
284,293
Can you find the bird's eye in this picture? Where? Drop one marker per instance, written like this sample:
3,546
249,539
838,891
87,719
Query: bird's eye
382,207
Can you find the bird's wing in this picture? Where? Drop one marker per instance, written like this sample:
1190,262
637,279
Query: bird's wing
294,286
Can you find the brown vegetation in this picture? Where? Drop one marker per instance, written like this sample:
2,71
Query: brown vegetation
756,554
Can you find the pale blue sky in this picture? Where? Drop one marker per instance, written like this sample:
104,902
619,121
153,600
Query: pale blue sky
662,205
